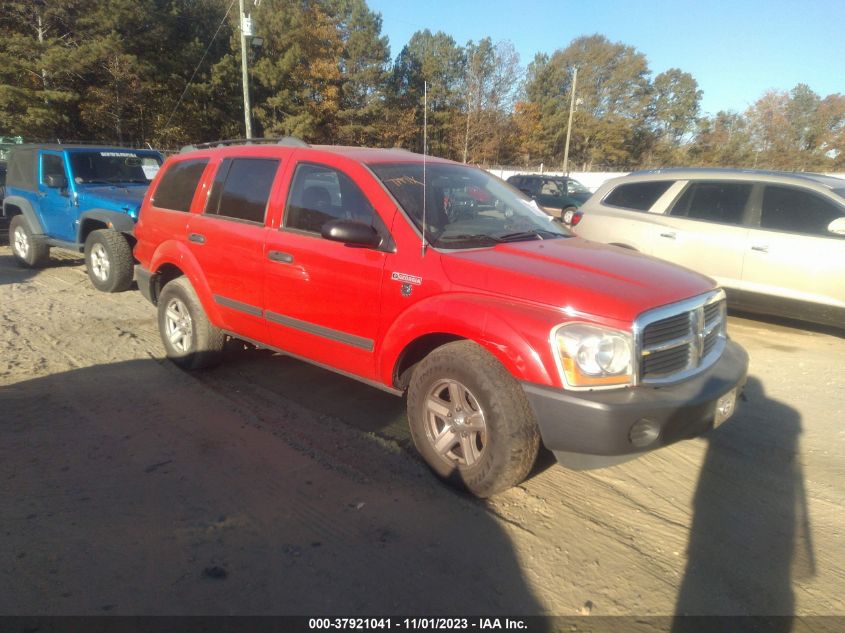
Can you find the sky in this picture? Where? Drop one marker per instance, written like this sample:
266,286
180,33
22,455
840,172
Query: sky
736,50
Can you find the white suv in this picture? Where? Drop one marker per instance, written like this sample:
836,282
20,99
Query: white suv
774,240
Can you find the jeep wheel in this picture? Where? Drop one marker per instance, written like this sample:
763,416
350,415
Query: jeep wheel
29,251
567,214
109,260
189,338
470,419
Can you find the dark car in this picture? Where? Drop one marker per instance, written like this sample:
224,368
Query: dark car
559,196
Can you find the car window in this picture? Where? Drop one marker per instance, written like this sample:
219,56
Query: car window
639,196
550,188
113,166
797,211
320,194
51,165
722,202
463,207
241,188
175,190
573,186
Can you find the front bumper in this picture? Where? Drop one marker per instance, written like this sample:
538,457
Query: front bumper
588,429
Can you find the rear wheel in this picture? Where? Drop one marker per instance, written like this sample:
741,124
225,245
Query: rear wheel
470,419
108,256
567,214
29,251
190,339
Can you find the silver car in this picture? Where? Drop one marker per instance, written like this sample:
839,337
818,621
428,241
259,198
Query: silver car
774,240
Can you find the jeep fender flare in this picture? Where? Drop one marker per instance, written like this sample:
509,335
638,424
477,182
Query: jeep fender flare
177,254
27,212
482,319
116,220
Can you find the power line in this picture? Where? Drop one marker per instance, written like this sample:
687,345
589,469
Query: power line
208,48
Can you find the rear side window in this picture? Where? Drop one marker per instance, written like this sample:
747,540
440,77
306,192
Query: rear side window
241,188
788,209
176,188
638,196
722,202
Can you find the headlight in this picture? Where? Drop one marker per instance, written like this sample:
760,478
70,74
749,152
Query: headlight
593,356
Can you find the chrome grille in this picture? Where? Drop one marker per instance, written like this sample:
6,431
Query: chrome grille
681,339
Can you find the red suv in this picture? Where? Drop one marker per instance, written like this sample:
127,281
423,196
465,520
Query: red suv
429,278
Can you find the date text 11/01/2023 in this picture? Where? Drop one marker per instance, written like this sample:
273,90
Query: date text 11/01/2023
430,624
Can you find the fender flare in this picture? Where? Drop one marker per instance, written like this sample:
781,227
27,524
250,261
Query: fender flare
484,320
117,220
177,254
27,211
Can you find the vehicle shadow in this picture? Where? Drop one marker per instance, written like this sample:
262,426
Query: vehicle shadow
788,322
136,488
751,534
366,408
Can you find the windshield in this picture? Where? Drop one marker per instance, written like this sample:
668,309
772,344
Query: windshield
574,186
465,207
113,166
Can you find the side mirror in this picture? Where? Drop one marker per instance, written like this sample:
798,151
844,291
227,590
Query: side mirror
351,233
837,226
55,181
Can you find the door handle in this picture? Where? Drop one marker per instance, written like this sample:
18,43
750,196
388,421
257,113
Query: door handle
197,237
671,236
279,256
760,249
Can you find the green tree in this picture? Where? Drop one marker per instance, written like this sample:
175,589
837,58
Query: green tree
612,95
436,60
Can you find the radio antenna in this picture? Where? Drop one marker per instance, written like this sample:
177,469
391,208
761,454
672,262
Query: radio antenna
425,157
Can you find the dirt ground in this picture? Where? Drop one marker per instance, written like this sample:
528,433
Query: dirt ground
267,486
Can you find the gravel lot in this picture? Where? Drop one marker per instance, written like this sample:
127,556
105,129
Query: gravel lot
267,486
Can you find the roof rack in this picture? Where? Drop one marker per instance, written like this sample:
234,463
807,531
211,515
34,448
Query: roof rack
290,141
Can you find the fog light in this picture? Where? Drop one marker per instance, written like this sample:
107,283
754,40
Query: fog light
643,433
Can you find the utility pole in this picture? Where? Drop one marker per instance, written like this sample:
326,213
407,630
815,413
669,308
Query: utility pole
244,74
569,125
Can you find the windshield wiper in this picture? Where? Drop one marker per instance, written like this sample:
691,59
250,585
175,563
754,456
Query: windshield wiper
535,234
467,237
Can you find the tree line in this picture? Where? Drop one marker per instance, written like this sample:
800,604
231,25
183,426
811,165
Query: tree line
167,73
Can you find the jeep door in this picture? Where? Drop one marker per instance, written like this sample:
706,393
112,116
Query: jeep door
227,240
58,213
322,297
790,252
705,230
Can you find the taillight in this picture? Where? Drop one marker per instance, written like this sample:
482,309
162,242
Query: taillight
576,218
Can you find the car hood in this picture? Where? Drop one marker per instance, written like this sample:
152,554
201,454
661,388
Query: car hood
113,197
575,276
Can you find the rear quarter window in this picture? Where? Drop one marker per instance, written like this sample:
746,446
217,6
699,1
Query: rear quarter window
639,196
175,190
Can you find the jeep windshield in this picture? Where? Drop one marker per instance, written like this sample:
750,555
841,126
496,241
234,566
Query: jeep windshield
108,167
465,207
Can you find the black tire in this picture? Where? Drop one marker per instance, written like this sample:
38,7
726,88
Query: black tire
495,459
29,251
180,309
108,257
570,210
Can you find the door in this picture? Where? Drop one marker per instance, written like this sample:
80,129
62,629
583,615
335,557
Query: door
790,252
704,230
58,213
323,298
227,240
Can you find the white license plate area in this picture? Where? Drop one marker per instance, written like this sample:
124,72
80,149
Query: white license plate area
725,406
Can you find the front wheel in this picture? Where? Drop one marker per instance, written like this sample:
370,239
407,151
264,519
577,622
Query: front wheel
190,339
108,257
470,419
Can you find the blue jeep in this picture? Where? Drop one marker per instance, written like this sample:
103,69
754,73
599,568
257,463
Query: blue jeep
78,197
